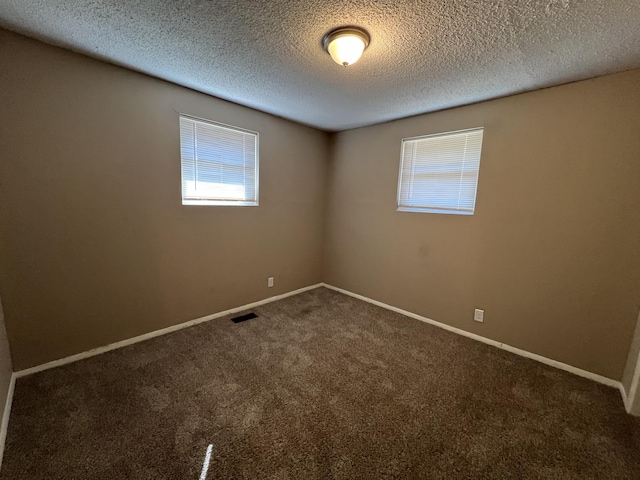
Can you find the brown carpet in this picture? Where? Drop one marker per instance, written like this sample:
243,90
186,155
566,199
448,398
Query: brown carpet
319,386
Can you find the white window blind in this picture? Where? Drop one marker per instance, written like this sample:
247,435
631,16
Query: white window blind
219,164
439,173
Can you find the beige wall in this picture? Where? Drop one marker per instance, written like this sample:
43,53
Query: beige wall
552,252
630,371
6,371
96,246
632,359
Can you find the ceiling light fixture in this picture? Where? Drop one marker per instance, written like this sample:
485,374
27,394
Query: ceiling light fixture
346,44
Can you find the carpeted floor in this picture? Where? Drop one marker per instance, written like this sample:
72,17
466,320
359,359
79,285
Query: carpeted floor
319,386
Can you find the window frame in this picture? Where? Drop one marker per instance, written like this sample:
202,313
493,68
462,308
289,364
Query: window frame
213,202
431,209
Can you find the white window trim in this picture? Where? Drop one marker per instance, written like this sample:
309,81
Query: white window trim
222,203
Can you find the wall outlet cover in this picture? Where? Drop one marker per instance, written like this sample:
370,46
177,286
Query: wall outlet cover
478,315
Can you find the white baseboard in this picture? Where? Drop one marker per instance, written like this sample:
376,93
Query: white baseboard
5,416
533,356
97,351
156,333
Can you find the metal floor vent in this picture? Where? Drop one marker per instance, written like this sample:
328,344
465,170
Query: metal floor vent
242,318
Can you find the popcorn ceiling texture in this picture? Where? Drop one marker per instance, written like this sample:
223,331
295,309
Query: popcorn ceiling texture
425,55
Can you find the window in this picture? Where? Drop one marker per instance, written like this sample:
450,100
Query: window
439,173
219,163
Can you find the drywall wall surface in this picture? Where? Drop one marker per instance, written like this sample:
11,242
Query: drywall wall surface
96,245
634,408
633,363
6,369
553,249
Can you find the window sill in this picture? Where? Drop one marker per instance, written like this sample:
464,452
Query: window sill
434,210
219,203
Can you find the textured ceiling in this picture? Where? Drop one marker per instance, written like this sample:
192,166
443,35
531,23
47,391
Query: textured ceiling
425,55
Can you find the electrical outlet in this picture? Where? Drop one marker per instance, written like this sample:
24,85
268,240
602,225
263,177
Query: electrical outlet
478,315
270,282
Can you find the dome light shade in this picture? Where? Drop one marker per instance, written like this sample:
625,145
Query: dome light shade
345,45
